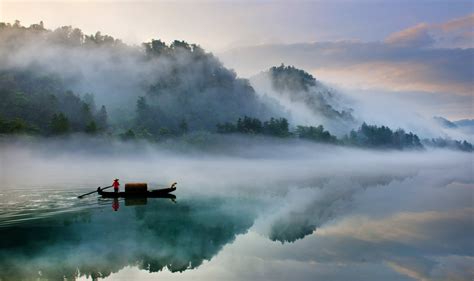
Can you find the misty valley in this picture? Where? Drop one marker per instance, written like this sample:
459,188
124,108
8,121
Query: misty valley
280,176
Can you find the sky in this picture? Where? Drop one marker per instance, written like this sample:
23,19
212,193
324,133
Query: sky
414,49
220,25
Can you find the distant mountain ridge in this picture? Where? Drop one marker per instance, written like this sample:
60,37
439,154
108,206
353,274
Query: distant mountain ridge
465,125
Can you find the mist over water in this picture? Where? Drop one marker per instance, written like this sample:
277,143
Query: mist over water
280,176
385,213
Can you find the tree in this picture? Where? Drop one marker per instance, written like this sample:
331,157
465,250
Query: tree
315,133
128,135
226,128
15,126
142,109
91,128
180,45
90,101
155,48
247,125
183,126
59,124
383,137
276,127
102,118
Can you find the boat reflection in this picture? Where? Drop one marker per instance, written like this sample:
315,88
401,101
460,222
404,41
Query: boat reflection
136,201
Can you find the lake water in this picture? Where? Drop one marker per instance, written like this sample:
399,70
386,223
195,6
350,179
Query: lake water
392,216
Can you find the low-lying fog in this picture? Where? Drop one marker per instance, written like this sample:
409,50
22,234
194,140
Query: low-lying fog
242,166
326,211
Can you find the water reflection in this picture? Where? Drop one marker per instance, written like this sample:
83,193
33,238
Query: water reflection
306,209
97,242
134,201
364,226
115,204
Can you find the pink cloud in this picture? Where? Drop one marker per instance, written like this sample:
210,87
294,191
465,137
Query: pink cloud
456,33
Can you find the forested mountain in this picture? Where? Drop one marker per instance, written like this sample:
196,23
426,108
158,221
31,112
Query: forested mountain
308,100
151,89
55,82
36,103
195,92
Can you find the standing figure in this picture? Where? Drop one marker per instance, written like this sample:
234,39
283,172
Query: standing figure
116,185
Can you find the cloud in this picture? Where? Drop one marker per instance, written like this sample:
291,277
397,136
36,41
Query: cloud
416,69
456,268
409,227
456,33
431,58
398,76
416,36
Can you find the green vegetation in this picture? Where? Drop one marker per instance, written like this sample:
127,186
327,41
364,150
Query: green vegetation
180,90
60,124
253,126
15,126
449,143
315,134
194,93
40,104
291,78
382,137
370,136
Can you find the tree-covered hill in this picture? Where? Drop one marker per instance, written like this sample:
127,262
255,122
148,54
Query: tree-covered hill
150,88
41,104
56,82
308,100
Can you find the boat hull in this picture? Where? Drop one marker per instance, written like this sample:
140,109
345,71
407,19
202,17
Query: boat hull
158,193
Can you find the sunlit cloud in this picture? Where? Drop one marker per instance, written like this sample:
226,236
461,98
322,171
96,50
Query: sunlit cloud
407,227
396,76
416,36
456,33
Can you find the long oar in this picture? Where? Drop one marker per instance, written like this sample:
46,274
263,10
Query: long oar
94,191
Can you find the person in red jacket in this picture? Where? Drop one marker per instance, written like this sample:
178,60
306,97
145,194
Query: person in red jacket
116,185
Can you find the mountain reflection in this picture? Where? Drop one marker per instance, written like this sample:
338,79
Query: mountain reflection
309,208
98,242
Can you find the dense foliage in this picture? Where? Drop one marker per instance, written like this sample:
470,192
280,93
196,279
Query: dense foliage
292,79
247,125
382,137
449,143
197,90
34,103
315,134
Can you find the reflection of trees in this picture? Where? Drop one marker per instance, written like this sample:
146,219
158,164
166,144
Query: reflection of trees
199,232
161,234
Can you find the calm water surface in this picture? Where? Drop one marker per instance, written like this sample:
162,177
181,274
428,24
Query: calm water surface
411,225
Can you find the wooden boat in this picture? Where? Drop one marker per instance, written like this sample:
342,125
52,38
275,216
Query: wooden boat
157,193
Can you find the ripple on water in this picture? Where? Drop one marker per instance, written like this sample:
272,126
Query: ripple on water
24,205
